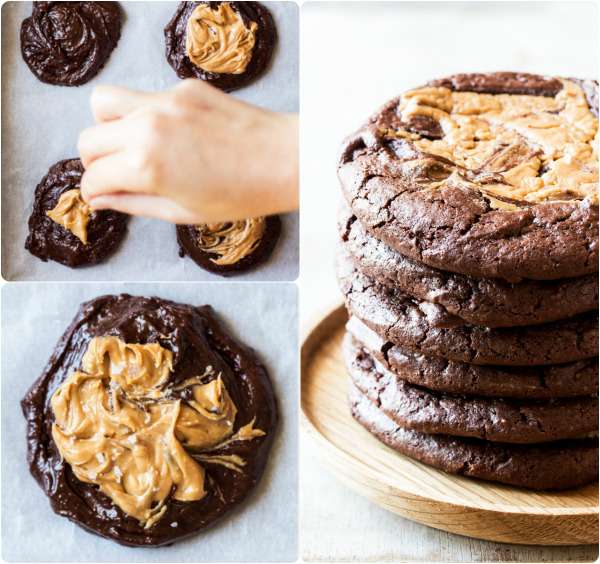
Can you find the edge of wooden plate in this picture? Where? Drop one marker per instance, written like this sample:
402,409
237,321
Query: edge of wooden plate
473,517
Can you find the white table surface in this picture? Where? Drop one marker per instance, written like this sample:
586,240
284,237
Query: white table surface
355,56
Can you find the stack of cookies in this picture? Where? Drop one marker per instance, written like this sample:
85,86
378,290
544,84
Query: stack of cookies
469,264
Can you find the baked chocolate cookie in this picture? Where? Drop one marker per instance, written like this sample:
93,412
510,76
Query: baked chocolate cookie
67,43
479,301
441,375
488,175
230,248
492,419
149,422
428,329
549,466
228,44
63,228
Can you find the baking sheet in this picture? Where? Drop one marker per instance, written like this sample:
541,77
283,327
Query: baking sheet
263,316
41,123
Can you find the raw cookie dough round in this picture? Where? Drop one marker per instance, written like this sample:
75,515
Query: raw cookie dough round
427,328
196,413
489,175
67,43
49,240
438,374
549,466
515,421
480,301
231,42
243,244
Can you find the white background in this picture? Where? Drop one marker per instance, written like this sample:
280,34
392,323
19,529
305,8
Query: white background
355,56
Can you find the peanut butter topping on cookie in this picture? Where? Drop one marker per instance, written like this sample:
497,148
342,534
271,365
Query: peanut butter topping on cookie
526,148
218,40
72,213
231,241
121,426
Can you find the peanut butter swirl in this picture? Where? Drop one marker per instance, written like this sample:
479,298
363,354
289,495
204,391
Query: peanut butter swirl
525,148
231,241
121,426
72,213
218,40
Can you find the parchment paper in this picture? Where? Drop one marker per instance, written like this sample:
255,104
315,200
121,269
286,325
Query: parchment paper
264,528
41,123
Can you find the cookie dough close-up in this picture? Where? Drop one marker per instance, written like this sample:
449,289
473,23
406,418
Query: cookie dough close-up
227,44
149,422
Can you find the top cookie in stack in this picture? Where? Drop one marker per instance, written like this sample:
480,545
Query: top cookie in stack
469,260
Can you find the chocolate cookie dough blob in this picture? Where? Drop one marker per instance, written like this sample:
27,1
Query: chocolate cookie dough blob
225,43
67,43
149,422
120,427
63,228
217,40
230,247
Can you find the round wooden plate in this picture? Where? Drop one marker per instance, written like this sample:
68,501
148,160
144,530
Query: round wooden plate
452,503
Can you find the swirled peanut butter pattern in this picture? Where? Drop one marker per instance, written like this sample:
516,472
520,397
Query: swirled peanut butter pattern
231,241
120,425
525,148
217,40
72,213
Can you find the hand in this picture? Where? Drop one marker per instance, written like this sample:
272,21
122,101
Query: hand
189,155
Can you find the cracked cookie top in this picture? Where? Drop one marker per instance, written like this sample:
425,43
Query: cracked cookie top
491,175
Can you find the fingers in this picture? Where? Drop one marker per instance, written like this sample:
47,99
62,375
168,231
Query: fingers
112,102
146,205
118,172
102,140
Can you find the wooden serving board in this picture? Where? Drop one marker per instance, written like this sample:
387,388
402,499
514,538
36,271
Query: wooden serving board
452,503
